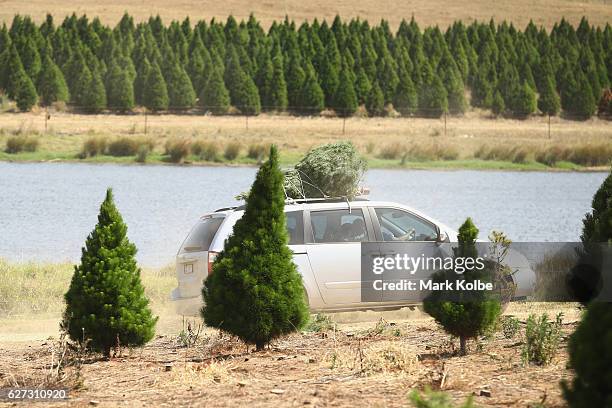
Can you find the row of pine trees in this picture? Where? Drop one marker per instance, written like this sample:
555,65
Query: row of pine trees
307,68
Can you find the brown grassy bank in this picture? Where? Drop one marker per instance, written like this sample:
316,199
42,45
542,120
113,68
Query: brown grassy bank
471,141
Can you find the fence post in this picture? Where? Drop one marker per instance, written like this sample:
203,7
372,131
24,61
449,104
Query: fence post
247,121
343,123
145,124
46,117
549,125
444,123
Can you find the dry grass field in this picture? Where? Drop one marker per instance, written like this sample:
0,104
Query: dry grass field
427,12
382,140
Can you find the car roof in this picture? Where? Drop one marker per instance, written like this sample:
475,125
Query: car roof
320,205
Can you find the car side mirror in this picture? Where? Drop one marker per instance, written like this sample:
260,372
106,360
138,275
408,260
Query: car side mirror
442,237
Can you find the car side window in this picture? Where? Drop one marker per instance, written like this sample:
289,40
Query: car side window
295,227
399,225
338,226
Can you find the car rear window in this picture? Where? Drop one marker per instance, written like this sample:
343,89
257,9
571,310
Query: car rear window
202,234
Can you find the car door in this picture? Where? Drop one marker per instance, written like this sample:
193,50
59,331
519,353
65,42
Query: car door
334,251
400,231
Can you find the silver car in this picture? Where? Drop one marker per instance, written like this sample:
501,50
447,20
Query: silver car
326,238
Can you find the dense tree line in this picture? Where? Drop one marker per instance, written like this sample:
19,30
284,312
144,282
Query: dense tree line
307,68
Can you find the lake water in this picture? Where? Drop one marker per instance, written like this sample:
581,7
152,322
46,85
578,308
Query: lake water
48,209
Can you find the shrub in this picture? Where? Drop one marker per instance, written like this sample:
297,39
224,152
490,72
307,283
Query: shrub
254,291
591,154
551,155
257,151
177,149
17,144
514,154
436,399
542,338
231,151
392,151
510,326
204,150
430,153
123,146
468,316
94,146
142,153
320,323
105,303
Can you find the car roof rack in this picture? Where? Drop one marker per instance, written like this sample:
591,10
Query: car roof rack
323,200
290,201
225,209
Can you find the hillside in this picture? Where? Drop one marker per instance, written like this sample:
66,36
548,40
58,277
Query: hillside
427,12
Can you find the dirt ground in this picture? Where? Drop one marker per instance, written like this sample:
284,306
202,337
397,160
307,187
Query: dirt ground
370,359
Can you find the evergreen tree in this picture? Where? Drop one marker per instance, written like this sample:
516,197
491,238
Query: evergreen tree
30,58
578,100
106,304
362,86
523,101
51,83
549,102
119,89
454,88
433,98
462,314
312,100
263,79
376,101
94,95
345,100
181,95
215,96
482,90
13,72
242,89
590,345
498,106
254,291
140,82
295,80
248,98
155,95
26,96
329,78
278,99
406,99
19,86
196,70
